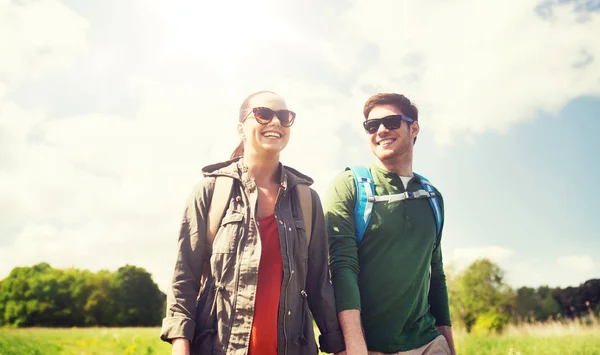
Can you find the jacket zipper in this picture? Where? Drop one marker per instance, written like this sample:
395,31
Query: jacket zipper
304,300
277,203
287,252
234,303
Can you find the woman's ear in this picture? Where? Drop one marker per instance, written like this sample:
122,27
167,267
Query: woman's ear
240,129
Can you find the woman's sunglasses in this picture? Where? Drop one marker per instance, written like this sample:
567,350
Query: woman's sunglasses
264,115
389,122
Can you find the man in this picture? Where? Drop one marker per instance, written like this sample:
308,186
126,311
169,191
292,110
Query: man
390,285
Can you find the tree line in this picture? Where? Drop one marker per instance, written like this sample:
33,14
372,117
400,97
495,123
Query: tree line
41,295
481,301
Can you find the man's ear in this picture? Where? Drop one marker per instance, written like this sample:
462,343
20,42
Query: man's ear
414,129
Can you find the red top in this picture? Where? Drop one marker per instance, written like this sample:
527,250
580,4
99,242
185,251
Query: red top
263,337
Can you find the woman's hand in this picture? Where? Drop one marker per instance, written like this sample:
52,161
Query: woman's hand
181,346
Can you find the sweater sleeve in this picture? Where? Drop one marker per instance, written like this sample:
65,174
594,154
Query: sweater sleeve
339,215
438,292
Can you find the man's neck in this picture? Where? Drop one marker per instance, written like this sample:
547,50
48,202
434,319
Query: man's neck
401,165
263,171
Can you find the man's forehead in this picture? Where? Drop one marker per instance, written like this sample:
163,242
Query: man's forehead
380,111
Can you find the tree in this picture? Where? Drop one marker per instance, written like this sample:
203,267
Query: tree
527,303
100,307
26,294
535,305
480,295
2,302
550,308
43,296
139,299
577,301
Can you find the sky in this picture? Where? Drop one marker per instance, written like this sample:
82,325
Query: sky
109,110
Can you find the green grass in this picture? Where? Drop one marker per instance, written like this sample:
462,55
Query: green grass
587,343
82,341
542,339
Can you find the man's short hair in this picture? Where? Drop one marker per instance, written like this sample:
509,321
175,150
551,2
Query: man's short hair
401,102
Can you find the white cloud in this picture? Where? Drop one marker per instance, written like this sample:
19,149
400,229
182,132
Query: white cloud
460,258
576,263
100,190
110,189
35,37
520,270
477,66
38,35
563,271
530,273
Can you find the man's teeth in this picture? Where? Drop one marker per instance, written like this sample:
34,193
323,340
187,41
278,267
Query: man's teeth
386,142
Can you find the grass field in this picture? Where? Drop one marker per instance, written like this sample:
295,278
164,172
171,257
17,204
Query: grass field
82,341
581,343
543,339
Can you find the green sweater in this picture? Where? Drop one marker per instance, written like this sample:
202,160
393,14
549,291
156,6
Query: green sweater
387,277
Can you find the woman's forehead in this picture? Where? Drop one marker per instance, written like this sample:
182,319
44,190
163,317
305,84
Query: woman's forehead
270,100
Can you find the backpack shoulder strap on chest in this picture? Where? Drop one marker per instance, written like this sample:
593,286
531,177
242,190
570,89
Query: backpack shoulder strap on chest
435,206
216,208
365,189
220,199
218,204
305,197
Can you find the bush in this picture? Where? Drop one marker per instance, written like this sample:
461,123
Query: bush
490,323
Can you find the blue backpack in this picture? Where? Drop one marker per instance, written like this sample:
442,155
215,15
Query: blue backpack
365,198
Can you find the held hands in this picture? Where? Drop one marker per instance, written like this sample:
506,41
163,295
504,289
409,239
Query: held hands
354,352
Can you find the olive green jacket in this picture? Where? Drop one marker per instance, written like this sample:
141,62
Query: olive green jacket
219,321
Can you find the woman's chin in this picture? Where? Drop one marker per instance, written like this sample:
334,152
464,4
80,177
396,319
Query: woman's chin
273,148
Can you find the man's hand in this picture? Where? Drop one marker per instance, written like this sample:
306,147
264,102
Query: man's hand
446,331
181,346
353,334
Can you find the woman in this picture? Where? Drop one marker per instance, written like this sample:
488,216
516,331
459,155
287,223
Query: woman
250,288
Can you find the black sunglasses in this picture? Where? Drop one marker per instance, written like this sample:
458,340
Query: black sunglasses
389,122
264,115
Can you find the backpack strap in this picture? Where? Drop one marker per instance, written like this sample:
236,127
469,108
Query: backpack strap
305,197
216,209
435,206
220,199
218,204
406,195
365,190
365,197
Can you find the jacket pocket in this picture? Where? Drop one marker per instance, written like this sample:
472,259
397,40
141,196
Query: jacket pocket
227,237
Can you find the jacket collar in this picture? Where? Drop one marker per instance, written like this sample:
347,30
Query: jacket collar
236,169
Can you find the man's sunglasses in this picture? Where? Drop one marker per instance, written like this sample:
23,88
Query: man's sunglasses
389,122
264,115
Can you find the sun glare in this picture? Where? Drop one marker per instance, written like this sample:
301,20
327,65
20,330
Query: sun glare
220,32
